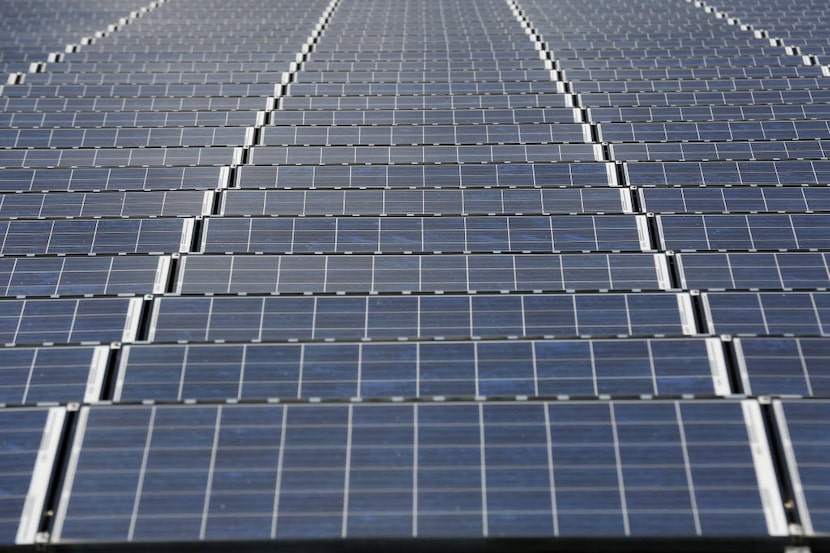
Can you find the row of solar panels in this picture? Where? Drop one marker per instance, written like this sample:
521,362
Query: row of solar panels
529,233
587,367
352,135
416,134
417,469
591,92
115,120
199,274
605,78
547,175
395,317
391,155
24,103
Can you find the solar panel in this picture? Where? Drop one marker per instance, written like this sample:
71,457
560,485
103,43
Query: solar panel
437,316
61,321
419,273
742,232
735,199
791,270
21,237
783,366
427,176
52,374
384,155
725,173
253,371
116,178
425,234
767,313
440,469
803,428
71,275
467,201
30,443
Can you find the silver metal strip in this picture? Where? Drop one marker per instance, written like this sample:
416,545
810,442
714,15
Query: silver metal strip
97,371
717,365
792,467
764,470
71,469
32,512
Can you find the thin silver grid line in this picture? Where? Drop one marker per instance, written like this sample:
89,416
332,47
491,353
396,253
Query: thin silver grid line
142,472
483,474
803,362
620,478
211,471
347,473
681,427
29,375
278,479
554,508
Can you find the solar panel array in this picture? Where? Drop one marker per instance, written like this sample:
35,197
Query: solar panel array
418,269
